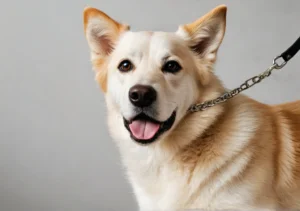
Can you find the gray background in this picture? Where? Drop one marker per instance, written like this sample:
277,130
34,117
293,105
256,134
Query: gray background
55,151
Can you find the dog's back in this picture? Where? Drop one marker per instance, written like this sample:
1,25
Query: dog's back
288,152
291,107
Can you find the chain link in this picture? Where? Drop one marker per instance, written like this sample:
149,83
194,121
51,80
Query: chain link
246,85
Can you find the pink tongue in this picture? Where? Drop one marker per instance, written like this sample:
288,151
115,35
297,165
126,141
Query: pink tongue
143,130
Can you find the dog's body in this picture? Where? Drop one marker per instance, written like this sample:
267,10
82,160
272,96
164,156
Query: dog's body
241,154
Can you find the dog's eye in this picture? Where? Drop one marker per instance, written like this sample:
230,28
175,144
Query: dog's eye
171,67
125,66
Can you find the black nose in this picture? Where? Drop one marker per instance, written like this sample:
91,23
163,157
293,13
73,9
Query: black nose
142,96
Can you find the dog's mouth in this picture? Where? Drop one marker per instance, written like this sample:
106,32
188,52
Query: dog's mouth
145,130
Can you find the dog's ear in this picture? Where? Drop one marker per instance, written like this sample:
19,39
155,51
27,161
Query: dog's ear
205,35
101,31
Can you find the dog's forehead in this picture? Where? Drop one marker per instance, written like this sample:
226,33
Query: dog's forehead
149,43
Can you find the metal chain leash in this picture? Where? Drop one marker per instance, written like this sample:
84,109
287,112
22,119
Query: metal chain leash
246,85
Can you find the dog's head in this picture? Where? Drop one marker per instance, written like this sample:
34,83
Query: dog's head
152,78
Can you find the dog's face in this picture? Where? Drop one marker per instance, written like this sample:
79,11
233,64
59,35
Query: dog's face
152,78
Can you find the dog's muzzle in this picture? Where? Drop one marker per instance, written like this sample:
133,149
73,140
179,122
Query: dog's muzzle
143,128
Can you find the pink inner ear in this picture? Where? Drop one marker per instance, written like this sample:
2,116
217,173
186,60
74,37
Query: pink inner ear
202,45
106,44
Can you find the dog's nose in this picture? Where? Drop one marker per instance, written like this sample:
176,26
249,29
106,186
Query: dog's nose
142,96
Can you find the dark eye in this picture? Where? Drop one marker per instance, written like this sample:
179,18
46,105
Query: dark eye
125,66
171,67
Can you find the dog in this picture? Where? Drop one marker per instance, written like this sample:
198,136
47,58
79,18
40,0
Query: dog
240,154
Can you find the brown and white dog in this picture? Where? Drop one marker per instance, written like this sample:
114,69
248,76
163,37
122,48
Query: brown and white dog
241,154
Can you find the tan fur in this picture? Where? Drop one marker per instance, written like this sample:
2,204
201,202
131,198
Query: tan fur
191,28
282,185
90,12
101,73
240,155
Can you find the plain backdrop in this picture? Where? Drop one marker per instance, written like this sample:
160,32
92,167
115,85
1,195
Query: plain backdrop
55,151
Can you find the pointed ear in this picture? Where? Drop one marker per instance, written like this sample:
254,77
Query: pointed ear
205,35
101,31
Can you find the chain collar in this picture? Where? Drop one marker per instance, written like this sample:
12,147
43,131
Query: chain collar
246,85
